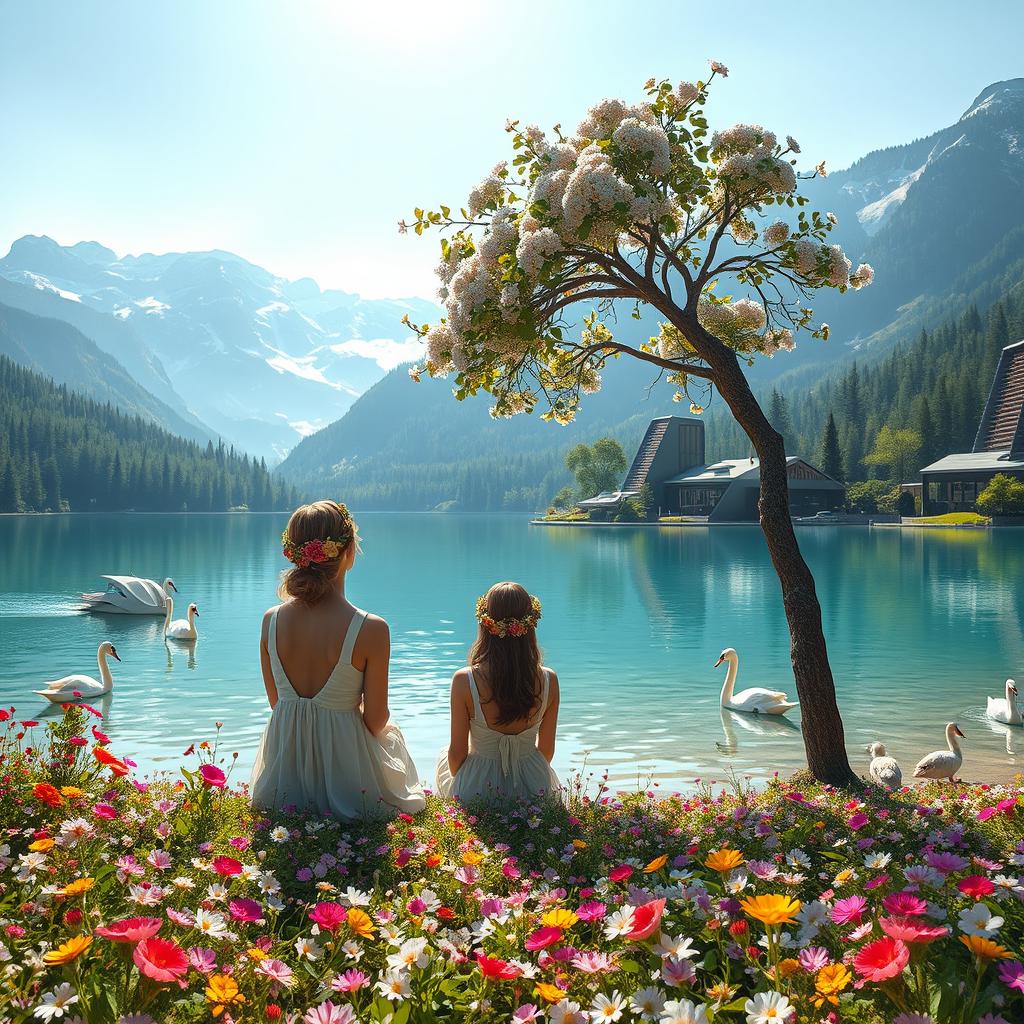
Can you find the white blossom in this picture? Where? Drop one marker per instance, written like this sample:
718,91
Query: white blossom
647,140
776,233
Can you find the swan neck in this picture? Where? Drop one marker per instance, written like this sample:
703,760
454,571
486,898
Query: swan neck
952,741
191,617
730,678
105,676
170,611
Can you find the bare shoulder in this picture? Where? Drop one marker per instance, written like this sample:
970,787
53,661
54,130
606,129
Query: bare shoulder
375,630
460,683
552,681
267,616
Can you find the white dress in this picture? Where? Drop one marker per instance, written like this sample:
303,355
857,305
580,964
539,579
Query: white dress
317,755
499,765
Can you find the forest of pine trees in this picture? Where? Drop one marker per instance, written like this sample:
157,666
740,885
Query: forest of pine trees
62,451
936,386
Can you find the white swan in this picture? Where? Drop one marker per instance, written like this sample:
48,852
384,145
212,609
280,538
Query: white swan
757,700
72,689
130,595
1005,710
181,629
942,764
884,769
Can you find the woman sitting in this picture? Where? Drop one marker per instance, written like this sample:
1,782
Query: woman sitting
504,707
329,746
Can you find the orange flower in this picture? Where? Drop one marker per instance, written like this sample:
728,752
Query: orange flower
771,910
578,844
72,792
559,918
829,982
359,921
656,865
222,991
788,966
41,845
723,860
985,949
472,858
48,794
78,887
68,951
549,993
434,860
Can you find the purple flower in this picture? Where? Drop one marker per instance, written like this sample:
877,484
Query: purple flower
946,862
1011,974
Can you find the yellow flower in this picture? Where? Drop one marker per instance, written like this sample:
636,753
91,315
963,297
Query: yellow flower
41,845
579,844
359,921
331,549
985,949
788,966
78,887
256,954
721,993
723,860
829,982
222,991
472,857
844,876
549,993
70,950
656,865
559,918
771,910
72,792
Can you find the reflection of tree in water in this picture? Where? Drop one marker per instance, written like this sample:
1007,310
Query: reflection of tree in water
599,562
669,571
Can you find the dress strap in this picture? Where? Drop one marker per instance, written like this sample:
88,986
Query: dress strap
544,694
351,635
276,668
477,709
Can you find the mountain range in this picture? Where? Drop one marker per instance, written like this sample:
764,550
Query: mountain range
941,219
233,349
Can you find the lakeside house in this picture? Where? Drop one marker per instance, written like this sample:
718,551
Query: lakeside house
953,483
671,461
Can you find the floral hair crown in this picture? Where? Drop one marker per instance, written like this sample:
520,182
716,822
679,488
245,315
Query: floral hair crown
507,627
316,550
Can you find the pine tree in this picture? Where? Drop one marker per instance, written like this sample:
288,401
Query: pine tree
10,491
831,455
778,416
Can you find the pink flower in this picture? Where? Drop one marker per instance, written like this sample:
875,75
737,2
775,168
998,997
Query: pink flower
183,917
945,863
591,911
227,867
1011,973
905,904
203,960
350,981
160,959
646,919
212,776
131,929
329,916
276,970
849,910
592,962
976,886
328,1013
676,972
910,929
813,958
526,1013
882,959
246,910
858,821
542,938
620,874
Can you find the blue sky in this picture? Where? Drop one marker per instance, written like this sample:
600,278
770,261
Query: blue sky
297,133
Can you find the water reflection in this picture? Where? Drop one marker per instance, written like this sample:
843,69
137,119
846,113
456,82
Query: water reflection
757,725
180,648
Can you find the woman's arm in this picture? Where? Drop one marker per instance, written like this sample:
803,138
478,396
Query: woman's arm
268,672
377,639
458,748
546,733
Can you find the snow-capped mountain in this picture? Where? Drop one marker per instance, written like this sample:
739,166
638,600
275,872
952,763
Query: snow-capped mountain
260,359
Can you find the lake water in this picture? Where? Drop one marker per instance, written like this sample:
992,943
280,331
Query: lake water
922,625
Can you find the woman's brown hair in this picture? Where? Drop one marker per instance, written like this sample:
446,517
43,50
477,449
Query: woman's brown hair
511,663
321,520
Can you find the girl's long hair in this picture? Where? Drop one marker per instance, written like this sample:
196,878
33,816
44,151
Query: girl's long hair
511,664
320,520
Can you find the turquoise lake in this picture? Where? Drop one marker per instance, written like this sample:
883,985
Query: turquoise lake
921,625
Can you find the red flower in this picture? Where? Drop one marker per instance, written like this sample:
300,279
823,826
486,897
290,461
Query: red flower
100,737
620,874
313,551
160,959
329,916
738,928
543,937
446,913
492,967
246,910
976,886
227,867
212,776
106,758
105,811
47,794
516,629
646,919
910,929
882,959
131,929
273,1011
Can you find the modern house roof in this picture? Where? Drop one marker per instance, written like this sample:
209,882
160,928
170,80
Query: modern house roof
733,469
607,499
981,462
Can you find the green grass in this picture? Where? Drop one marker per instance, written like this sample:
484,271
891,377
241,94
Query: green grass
953,519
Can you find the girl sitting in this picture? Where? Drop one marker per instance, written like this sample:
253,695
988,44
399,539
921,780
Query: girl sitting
504,707
329,746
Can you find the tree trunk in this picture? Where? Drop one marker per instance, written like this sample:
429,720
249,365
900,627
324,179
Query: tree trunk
824,740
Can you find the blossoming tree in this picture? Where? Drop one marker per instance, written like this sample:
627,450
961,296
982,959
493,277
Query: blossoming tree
641,206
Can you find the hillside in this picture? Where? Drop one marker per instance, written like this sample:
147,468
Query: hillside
260,359
62,450
56,349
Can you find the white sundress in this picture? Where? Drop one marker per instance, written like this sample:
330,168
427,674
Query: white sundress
499,765
317,755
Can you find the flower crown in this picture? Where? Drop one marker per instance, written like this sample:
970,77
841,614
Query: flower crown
316,550
507,627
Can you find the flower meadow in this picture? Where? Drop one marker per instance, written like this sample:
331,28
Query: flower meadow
156,901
